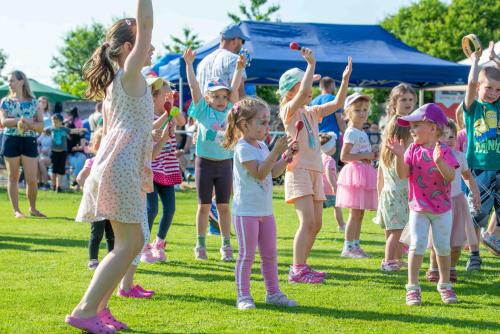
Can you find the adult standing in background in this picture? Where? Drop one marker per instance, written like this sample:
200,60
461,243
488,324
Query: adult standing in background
222,62
43,104
333,122
23,121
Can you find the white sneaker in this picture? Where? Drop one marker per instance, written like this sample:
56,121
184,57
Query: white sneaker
200,253
280,299
245,303
226,254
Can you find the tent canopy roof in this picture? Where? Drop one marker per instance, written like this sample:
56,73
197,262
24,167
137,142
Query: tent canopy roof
379,59
39,89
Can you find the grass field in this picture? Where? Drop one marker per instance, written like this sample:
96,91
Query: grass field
43,274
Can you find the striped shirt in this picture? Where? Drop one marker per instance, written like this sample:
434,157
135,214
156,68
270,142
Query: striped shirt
166,169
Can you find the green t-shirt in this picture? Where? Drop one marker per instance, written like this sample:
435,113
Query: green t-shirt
482,123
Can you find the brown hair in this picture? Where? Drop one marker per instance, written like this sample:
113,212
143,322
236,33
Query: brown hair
396,93
243,110
490,73
99,71
327,83
47,102
27,93
393,130
95,141
452,126
324,138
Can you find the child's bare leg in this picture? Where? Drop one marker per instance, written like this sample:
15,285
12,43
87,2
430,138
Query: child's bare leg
414,264
339,217
305,235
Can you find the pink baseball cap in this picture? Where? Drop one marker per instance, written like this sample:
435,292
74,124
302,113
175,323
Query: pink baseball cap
354,97
428,112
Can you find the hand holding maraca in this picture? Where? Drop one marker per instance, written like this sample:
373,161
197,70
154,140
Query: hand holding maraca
241,63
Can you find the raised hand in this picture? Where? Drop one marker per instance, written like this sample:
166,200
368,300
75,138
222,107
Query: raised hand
348,69
492,55
242,62
308,55
189,56
396,146
438,153
476,55
281,145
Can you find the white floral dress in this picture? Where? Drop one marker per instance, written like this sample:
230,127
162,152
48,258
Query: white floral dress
121,174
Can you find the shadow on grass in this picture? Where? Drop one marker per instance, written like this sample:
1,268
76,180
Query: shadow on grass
345,314
4,246
44,241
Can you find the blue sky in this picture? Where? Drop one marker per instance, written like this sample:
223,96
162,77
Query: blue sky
32,30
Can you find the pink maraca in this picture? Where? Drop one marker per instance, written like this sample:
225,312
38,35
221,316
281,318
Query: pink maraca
295,46
299,125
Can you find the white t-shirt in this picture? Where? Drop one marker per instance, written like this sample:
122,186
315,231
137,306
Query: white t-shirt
251,197
219,64
358,139
456,184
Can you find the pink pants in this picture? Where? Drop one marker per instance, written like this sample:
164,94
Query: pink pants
251,231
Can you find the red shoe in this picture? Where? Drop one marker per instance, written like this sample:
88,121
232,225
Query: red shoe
132,293
107,318
92,325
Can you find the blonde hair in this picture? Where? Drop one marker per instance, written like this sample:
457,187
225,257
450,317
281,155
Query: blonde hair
165,83
352,106
27,93
243,110
490,73
393,130
95,141
396,93
99,70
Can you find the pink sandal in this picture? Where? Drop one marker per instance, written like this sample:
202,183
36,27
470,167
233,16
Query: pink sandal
108,319
92,325
145,291
133,293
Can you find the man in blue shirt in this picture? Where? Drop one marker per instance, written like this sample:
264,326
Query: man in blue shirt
333,122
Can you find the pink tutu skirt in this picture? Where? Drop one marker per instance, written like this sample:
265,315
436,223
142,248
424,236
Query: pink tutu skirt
357,187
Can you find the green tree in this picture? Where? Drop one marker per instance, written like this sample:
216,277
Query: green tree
437,28
188,40
79,44
254,12
3,61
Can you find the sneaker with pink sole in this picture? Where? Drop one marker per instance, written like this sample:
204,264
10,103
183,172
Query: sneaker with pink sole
349,253
413,296
158,250
106,317
360,252
448,296
321,274
390,266
304,276
147,255
133,293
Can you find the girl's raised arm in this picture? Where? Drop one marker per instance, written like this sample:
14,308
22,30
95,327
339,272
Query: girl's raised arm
133,81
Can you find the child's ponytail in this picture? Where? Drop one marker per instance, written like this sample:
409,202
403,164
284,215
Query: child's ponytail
231,135
99,70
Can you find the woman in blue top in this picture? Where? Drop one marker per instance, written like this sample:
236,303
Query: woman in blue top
23,121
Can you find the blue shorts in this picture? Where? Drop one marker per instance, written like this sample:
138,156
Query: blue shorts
488,182
15,146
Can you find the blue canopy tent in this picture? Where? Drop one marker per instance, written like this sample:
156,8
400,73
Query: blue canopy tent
379,59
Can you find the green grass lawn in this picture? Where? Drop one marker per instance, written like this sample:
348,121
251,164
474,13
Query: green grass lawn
43,275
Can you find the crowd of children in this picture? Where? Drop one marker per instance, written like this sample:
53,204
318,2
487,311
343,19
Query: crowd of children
418,187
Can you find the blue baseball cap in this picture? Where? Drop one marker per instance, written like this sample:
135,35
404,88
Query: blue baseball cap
216,84
233,31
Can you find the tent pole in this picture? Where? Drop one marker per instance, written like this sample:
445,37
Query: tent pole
181,97
420,97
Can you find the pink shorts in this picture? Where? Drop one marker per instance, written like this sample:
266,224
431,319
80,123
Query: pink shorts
302,182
